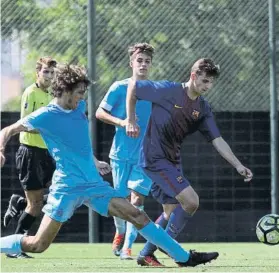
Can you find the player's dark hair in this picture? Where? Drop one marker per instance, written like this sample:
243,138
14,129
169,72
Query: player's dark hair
206,66
67,77
48,61
141,48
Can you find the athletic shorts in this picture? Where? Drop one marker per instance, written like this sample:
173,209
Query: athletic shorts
35,167
168,181
63,201
128,177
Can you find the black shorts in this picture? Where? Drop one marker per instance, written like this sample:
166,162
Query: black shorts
35,167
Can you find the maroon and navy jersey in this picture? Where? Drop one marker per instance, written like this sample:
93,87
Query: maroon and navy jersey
174,116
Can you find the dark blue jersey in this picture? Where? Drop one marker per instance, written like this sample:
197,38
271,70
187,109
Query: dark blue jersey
174,116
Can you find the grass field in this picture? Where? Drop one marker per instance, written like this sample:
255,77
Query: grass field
234,257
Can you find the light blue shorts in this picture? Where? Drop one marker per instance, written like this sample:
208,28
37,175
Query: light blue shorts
63,201
128,177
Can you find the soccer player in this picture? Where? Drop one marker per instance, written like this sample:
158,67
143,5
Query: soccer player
34,164
177,111
128,177
76,181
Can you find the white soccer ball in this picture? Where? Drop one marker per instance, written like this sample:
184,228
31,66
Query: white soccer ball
267,229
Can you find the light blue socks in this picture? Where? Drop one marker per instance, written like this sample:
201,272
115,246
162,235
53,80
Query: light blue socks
11,244
157,236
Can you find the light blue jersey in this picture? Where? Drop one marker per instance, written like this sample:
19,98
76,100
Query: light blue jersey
124,152
76,180
66,135
125,148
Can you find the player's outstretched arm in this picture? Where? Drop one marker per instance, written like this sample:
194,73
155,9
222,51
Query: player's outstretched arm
132,129
5,135
225,151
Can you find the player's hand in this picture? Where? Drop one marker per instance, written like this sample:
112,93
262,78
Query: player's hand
103,167
124,122
248,175
132,129
2,159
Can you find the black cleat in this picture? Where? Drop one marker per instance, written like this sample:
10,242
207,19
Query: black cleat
22,255
197,258
13,209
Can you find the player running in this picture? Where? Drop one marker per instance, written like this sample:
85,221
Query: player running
177,111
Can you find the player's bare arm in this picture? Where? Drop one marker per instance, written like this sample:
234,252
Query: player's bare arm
132,129
108,118
5,136
225,151
103,167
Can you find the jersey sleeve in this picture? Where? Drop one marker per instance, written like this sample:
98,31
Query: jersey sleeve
28,103
37,120
208,126
154,91
111,98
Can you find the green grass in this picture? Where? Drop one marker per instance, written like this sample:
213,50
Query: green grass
234,257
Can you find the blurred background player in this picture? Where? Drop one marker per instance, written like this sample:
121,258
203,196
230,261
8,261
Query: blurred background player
177,111
34,164
128,177
76,181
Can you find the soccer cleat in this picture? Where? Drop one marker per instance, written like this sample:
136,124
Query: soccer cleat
197,258
150,260
22,255
13,209
126,254
117,243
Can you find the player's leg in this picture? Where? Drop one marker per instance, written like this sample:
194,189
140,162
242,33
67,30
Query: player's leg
175,187
156,235
120,174
29,163
18,243
146,256
107,201
139,184
170,183
123,209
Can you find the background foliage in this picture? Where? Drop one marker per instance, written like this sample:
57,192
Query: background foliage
233,33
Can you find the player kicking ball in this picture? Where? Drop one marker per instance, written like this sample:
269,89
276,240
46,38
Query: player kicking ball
178,110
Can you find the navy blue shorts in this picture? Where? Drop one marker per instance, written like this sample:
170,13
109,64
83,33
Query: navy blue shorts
167,182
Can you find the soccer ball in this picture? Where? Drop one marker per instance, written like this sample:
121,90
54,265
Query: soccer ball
267,229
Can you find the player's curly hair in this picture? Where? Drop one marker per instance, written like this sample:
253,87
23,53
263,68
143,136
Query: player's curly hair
207,66
67,77
48,61
141,48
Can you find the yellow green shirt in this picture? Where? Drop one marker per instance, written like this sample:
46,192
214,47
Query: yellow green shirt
32,99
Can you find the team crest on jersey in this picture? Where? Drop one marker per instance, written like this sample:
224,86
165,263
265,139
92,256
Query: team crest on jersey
195,114
179,179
